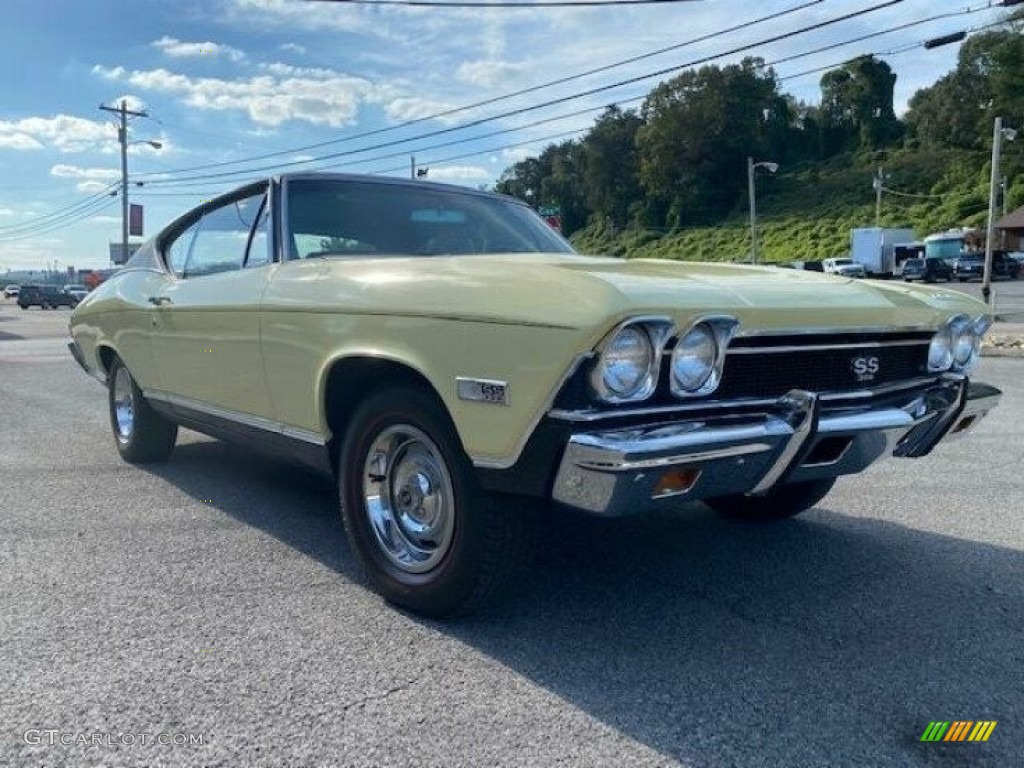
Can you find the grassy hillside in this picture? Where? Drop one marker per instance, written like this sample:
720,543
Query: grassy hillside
807,212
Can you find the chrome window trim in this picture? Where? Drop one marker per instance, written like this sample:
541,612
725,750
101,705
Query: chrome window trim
246,419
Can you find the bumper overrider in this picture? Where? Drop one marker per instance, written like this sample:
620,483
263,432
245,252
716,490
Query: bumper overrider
801,436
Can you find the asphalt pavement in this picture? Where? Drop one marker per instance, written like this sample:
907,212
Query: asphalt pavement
213,600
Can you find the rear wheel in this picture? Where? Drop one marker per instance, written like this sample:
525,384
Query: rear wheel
427,536
781,502
141,434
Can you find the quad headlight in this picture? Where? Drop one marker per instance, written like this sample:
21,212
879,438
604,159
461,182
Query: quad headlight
699,357
957,344
627,370
693,359
629,362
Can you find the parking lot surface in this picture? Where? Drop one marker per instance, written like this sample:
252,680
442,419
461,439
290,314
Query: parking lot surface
213,599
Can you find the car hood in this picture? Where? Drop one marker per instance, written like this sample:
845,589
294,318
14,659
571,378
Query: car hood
588,292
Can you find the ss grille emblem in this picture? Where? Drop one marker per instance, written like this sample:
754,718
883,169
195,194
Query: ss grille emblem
865,368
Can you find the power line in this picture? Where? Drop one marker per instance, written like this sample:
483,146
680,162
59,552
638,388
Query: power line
55,225
505,96
59,213
551,102
892,51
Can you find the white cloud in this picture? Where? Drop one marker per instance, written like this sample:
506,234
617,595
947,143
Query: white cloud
75,172
463,173
488,73
18,141
293,48
6,211
323,97
105,219
414,107
91,186
132,102
64,133
179,49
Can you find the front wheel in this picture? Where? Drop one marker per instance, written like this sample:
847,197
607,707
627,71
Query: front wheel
428,538
781,502
141,434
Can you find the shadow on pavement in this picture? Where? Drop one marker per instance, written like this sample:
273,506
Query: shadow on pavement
826,640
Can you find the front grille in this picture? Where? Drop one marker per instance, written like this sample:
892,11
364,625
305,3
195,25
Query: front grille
769,366
856,365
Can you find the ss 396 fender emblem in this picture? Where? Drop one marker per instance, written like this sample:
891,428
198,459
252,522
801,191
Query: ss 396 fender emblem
865,368
482,390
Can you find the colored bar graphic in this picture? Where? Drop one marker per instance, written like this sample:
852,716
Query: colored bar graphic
935,730
959,730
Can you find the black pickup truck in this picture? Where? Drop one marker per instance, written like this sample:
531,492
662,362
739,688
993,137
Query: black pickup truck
45,296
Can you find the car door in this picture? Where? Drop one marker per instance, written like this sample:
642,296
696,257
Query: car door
206,338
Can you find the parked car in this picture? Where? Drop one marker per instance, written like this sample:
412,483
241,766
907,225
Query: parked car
1012,264
11,291
972,267
927,270
44,297
843,267
457,366
78,291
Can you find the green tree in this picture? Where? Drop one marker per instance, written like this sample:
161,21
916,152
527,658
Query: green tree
611,182
698,129
958,110
857,105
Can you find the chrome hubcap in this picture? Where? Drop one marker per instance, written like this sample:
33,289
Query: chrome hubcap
408,498
124,405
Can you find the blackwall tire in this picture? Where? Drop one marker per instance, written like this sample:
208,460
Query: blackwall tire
778,504
141,434
428,538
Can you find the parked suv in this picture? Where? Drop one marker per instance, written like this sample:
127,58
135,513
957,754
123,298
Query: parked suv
927,270
11,291
45,297
972,266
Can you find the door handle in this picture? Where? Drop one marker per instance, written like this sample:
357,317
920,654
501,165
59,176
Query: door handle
159,301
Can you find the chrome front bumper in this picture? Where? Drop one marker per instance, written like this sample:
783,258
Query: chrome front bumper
627,470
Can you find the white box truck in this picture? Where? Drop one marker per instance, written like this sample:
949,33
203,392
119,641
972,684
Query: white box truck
874,248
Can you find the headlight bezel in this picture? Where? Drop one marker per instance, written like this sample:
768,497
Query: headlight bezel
722,328
963,336
656,331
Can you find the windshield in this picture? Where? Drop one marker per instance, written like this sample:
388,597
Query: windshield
338,217
843,262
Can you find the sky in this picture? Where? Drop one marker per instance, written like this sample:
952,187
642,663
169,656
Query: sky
224,81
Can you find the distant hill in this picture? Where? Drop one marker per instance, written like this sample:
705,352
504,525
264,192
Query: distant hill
807,211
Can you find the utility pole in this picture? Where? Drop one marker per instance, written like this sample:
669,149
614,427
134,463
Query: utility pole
1002,232
879,180
122,137
752,195
998,133
412,166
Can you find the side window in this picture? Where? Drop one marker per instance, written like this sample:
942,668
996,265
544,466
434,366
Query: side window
177,252
221,240
259,245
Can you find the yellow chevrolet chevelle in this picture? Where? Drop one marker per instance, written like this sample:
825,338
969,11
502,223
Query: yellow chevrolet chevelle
455,364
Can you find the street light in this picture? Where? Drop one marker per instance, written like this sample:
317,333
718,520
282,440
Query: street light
123,112
998,134
751,166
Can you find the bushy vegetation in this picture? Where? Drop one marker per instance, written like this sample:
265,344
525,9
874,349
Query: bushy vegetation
669,181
